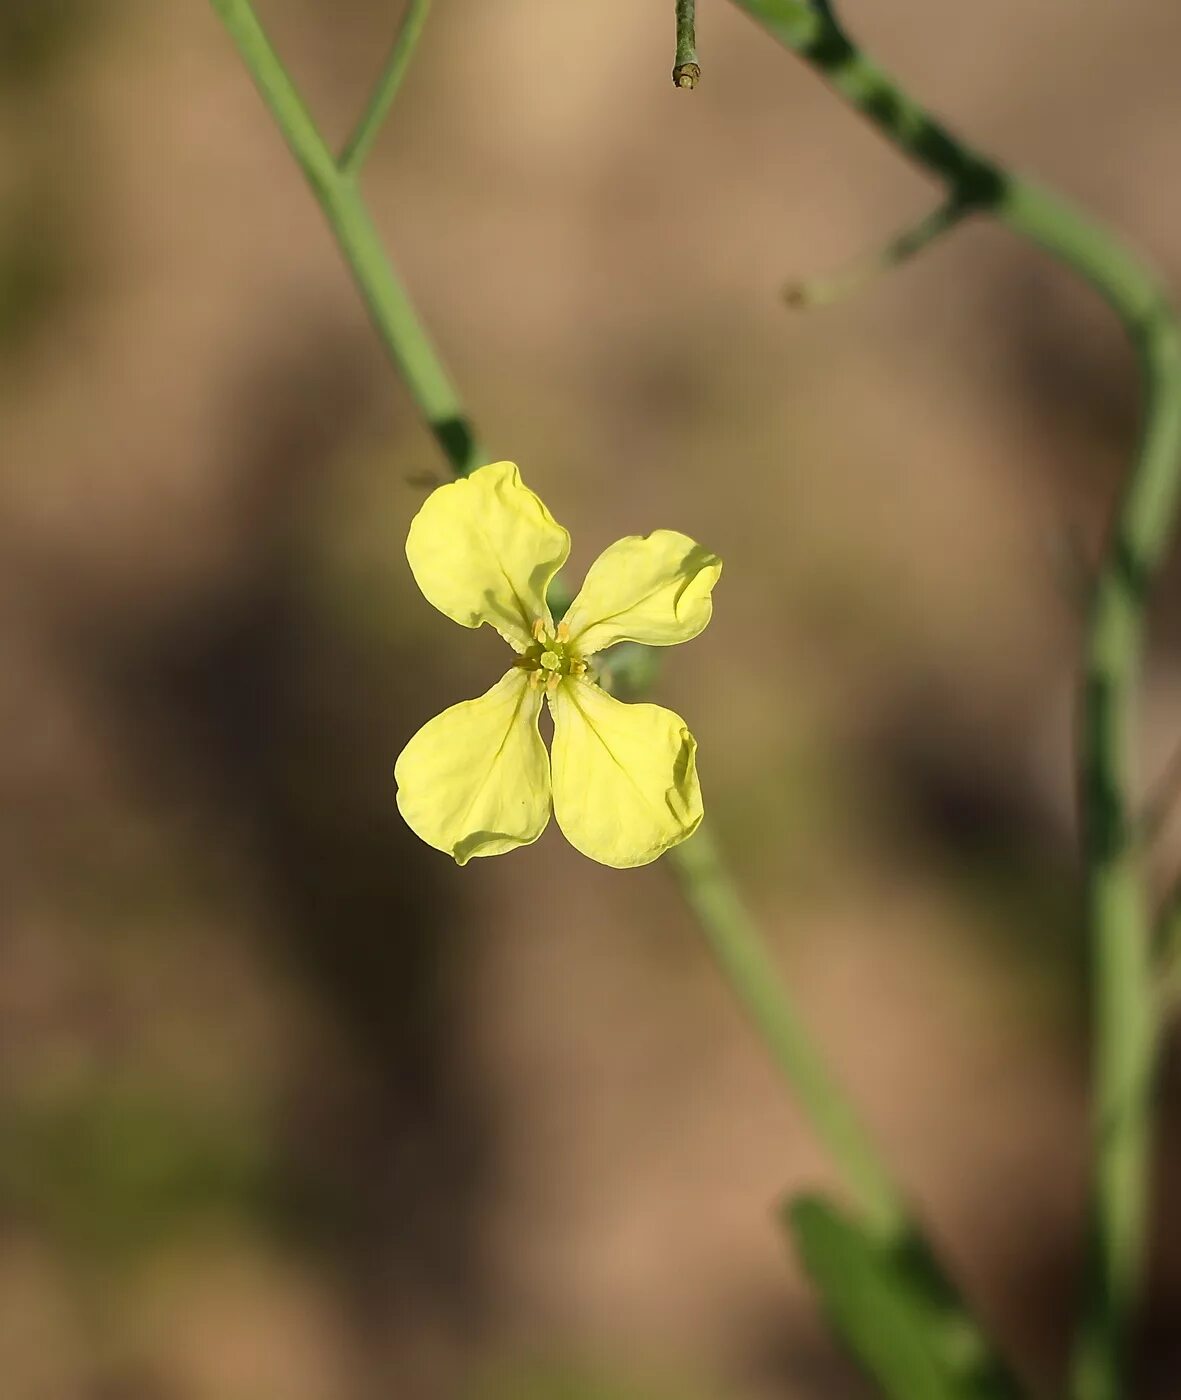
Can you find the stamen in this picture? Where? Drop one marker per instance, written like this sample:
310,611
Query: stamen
552,681
538,630
563,631
578,668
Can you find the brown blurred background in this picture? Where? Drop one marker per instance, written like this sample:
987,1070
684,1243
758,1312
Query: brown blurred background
290,1107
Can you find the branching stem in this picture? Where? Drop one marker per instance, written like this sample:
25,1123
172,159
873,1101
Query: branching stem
353,157
390,308
1124,1000
835,286
699,870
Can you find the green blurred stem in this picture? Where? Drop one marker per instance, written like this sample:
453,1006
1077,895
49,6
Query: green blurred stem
1124,1004
339,196
836,286
743,958
353,156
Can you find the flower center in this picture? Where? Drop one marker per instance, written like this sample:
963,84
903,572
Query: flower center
551,658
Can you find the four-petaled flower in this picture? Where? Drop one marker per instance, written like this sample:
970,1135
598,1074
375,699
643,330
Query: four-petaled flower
476,780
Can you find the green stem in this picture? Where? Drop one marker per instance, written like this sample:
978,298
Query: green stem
339,196
701,874
686,69
353,157
736,945
1124,1002
835,286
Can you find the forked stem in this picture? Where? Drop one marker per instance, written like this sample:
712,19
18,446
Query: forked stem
832,287
360,143
335,188
699,870
1125,1005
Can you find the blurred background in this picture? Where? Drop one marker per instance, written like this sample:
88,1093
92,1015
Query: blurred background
290,1107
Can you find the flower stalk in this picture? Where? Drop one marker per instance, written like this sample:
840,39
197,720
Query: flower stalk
410,348
742,956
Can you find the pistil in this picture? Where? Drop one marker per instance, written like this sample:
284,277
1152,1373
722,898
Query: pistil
549,660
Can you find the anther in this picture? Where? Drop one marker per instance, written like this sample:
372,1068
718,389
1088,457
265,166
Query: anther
563,631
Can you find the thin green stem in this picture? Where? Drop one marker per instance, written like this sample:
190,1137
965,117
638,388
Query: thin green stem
740,953
701,873
835,286
1125,1008
686,69
381,99
337,192
1126,1002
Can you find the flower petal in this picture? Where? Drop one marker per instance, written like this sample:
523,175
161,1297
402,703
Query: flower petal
645,588
484,549
624,776
474,781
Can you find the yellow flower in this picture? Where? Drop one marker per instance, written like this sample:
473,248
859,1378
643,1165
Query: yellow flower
476,780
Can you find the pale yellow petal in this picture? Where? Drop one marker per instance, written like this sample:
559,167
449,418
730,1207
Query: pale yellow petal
652,588
624,776
485,549
475,780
